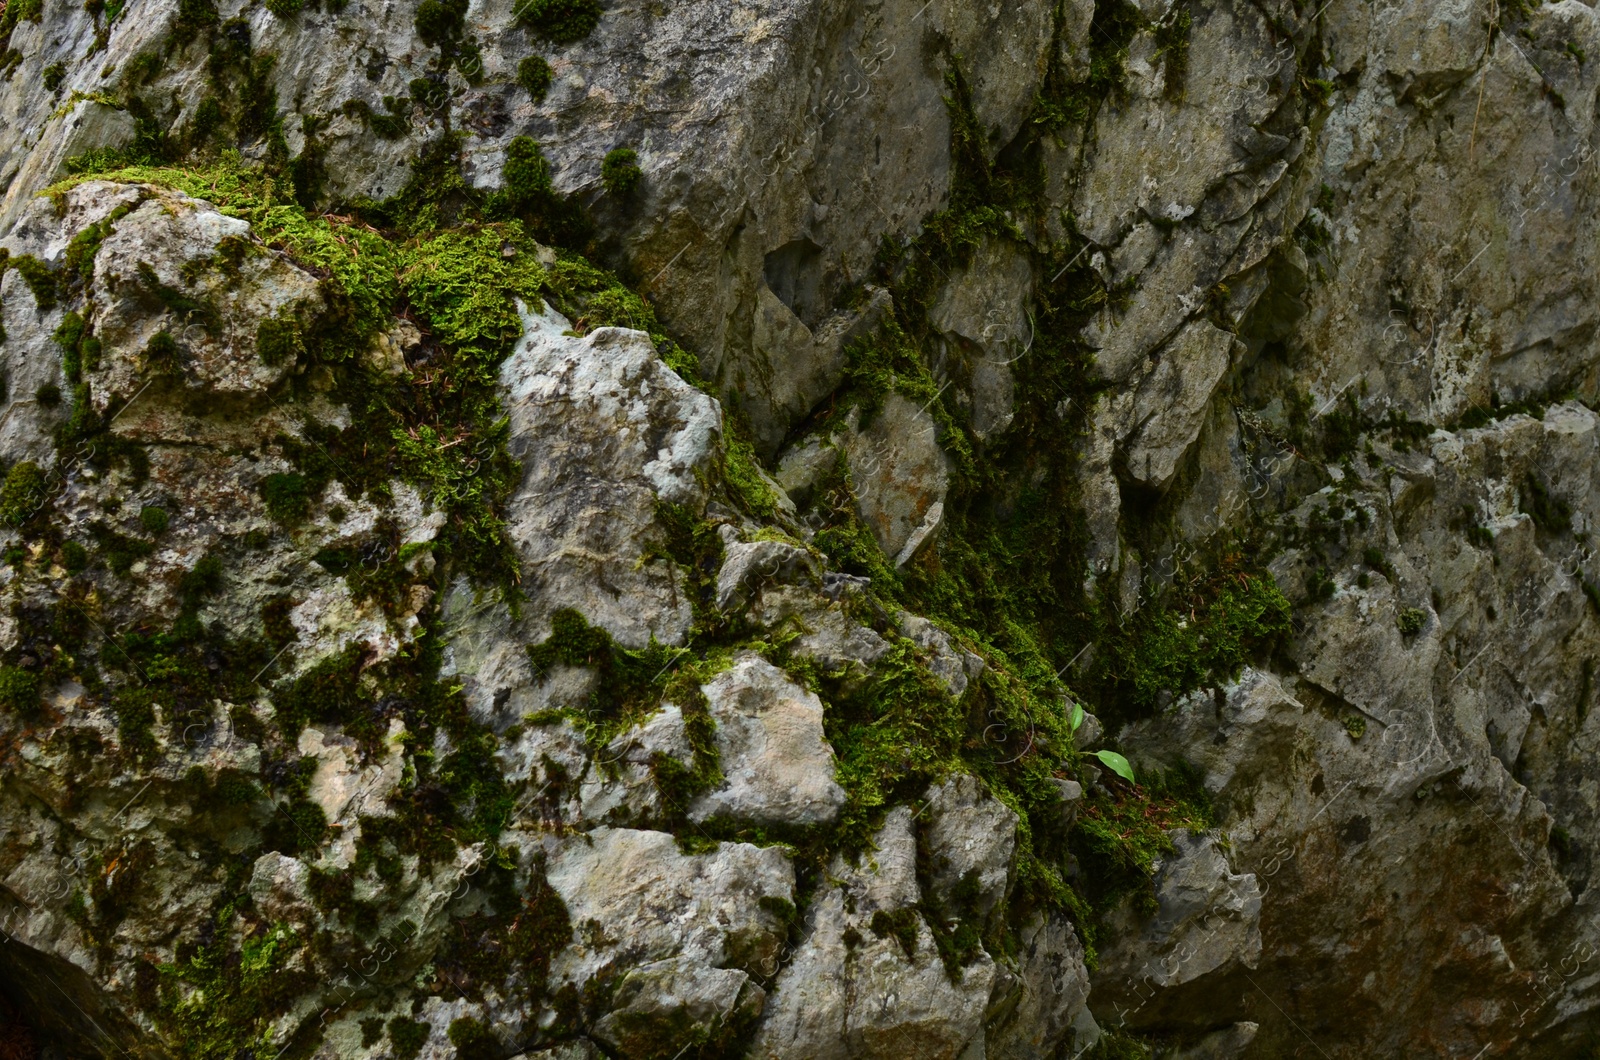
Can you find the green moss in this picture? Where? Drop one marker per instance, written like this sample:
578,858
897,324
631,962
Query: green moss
560,21
440,21
473,1040
742,472
153,519
619,171
395,124
902,924
53,75
287,497
407,1036
23,493
39,278
1410,620
535,76
20,691
220,997
74,557
284,8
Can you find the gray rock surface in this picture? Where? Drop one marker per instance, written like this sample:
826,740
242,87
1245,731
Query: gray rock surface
777,767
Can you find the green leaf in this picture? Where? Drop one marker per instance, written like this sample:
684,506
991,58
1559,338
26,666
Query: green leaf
1117,764
1076,719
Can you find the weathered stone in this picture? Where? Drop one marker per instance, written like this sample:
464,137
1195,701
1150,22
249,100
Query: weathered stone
746,565
899,476
1170,405
852,992
777,767
604,429
646,901
676,1003
971,837
1051,985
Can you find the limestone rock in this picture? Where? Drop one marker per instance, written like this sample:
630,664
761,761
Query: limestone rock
971,837
645,901
604,429
899,476
1051,984
777,766
851,991
746,565
1171,403
659,1005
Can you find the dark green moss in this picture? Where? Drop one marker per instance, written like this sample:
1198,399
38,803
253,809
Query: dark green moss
535,76
407,1036
440,21
560,21
619,171
287,496
53,75
154,519
20,691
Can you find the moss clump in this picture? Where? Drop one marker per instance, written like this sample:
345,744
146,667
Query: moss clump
154,519
440,21
220,997
39,278
53,75
407,1036
743,474
902,924
1167,653
19,691
287,496
23,493
284,8
619,171
560,21
279,341
534,75
1410,620
74,557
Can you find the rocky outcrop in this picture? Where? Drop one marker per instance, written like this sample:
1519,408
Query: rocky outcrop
1065,530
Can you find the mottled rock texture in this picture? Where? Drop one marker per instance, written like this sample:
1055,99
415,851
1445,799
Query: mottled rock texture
950,530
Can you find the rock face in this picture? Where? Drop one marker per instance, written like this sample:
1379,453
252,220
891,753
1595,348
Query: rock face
941,530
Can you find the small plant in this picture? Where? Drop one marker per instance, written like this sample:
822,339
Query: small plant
48,395
535,75
560,21
620,171
153,519
1355,725
1410,620
1320,585
1116,763
54,74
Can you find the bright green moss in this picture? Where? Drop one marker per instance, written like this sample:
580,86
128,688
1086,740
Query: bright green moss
219,998
22,494
39,278
743,475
